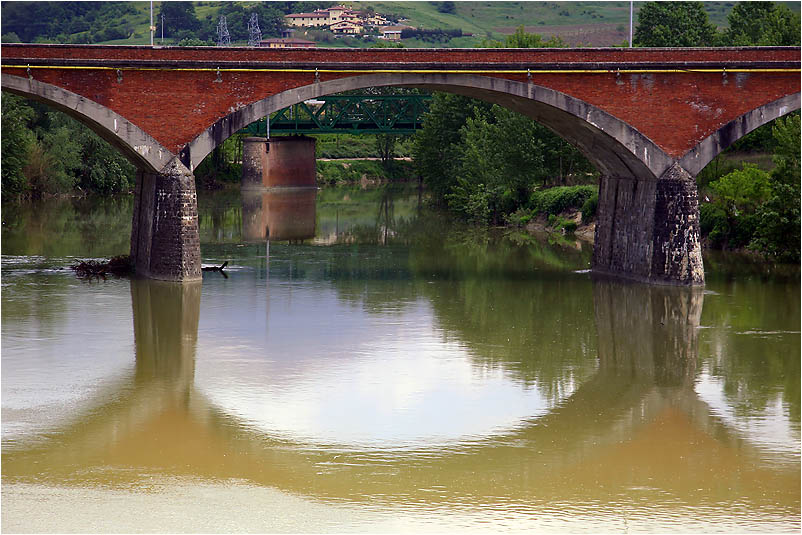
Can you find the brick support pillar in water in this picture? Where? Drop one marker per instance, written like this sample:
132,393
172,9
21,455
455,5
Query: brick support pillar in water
279,214
648,230
290,162
254,162
165,243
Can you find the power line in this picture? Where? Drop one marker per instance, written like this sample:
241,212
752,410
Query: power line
223,38
254,33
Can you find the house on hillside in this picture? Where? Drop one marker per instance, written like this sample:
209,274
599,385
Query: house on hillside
286,42
306,20
392,33
325,17
376,20
346,28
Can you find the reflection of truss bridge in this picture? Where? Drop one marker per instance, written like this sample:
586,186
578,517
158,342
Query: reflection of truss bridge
348,114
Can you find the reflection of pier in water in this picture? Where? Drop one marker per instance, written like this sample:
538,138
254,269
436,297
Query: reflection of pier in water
285,214
637,422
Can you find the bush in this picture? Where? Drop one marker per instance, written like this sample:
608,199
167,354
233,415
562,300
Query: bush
589,207
519,218
713,224
558,223
558,199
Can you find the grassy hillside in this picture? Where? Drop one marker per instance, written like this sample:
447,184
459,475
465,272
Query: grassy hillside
578,23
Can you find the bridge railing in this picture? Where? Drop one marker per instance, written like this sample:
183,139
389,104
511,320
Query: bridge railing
348,114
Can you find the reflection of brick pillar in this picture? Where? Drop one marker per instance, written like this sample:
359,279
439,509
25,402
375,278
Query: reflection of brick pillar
254,161
288,214
290,162
646,331
165,241
166,331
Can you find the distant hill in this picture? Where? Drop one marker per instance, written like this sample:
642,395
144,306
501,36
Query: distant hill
578,23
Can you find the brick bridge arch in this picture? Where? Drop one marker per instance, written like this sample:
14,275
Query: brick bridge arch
615,148
135,144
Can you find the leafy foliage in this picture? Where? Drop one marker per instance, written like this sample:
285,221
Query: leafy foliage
756,208
55,21
17,141
483,160
47,152
522,39
271,21
668,24
762,24
778,232
553,201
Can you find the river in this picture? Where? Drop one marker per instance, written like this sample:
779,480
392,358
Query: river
374,366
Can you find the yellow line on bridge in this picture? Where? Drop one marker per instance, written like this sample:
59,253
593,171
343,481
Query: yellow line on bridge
404,71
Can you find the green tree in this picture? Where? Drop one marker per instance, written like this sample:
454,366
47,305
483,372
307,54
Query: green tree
522,39
673,24
17,141
180,20
194,41
502,158
385,146
778,230
762,24
742,191
437,148
446,7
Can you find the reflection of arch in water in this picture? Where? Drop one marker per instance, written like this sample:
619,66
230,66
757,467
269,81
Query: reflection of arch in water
638,419
279,214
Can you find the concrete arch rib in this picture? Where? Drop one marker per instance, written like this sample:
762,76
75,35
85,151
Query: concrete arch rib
141,149
702,154
616,148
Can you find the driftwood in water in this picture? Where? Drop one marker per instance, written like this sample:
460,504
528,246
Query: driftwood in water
118,265
216,268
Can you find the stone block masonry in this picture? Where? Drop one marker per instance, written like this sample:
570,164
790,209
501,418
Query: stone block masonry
648,230
165,241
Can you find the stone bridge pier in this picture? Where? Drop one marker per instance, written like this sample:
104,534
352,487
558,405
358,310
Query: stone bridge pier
165,239
648,230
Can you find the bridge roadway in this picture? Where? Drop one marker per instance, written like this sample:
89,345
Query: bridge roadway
649,120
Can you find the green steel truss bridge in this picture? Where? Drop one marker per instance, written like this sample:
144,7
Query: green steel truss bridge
347,114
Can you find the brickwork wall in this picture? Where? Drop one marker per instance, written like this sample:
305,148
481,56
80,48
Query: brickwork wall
675,110
291,162
254,160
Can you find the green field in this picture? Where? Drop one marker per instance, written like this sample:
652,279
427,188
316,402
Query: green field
578,23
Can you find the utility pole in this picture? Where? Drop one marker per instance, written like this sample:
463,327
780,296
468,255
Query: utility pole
152,27
630,22
162,29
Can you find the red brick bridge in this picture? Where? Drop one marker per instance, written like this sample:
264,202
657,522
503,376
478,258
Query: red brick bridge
649,119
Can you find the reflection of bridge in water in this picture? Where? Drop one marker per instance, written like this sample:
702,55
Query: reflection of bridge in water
279,214
636,422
